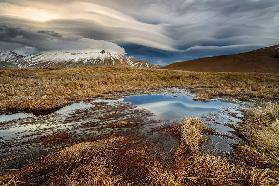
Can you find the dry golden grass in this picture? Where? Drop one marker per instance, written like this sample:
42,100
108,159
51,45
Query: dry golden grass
208,170
111,161
192,168
122,124
198,170
191,133
56,138
47,89
261,129
88,163
118,160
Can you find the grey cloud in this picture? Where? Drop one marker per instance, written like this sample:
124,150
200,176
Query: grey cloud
48,40
50,33
212,22
175,25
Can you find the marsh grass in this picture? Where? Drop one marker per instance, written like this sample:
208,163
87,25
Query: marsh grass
56,138
192,167
118,160
89,163
122,124
260,129
198,170
41,90
191,134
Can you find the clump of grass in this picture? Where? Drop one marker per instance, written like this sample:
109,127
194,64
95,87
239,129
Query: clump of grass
197,170
259,177
192,167
260,129
114,160
82,164
191,133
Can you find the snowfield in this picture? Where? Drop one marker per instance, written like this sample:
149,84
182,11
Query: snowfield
70,58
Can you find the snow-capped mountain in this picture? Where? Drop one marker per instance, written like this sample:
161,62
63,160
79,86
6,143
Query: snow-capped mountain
10,59
70,58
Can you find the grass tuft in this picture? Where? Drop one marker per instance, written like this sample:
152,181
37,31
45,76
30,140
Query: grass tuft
191,133
260,128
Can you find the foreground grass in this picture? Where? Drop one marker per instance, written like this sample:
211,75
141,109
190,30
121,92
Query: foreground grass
47,89
119,160
195,168
111,161
261,131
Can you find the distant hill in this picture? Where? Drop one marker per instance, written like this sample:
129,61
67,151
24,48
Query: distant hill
70,58
261,60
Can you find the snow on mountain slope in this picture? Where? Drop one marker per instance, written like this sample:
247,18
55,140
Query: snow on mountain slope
10,59
72,58
84,56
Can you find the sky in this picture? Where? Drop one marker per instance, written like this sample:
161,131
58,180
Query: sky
160,31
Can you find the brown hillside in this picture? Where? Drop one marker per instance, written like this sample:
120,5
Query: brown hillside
262,60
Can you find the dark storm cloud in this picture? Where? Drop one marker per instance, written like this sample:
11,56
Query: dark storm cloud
47,40
182,28
50,33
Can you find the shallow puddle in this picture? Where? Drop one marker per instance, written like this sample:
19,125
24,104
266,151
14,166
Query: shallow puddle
178,106
219,115
142,115
12,117
72,108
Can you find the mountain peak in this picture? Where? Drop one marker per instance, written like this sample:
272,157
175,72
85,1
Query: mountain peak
70,58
